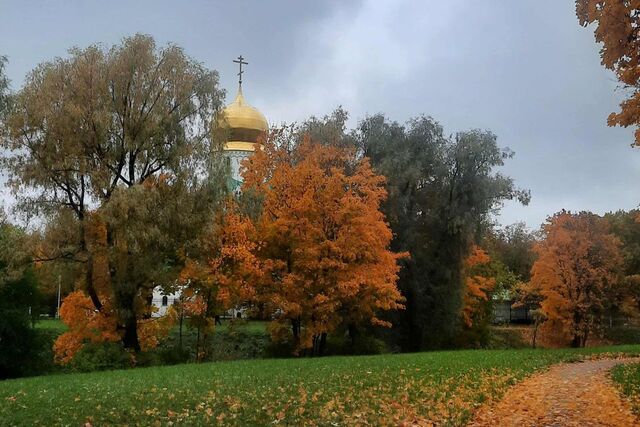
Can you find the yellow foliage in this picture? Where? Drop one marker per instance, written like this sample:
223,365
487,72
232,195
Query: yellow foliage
323,240
88,325
576,273
616,29
477,283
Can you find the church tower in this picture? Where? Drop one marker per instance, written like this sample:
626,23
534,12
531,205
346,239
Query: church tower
247,126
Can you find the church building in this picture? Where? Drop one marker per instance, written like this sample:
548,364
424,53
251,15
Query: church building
247,126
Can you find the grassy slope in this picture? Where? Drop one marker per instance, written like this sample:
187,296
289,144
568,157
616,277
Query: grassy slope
443,386
628,379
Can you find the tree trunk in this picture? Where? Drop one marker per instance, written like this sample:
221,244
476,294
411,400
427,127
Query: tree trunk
198,345
585,336
91,290
125,299
205,328
180,333
353,332
295,328
130,338
323,343
576,342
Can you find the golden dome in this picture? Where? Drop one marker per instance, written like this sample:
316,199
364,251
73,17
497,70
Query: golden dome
246,124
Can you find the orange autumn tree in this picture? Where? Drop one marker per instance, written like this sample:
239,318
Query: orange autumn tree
86,324
479,282
616,29
323,241
575,276
222,278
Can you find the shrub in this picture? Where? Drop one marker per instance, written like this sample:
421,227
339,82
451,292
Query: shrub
504,337
240,344
101,357
363,344
173,355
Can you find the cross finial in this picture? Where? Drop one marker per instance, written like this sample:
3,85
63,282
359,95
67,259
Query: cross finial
240,62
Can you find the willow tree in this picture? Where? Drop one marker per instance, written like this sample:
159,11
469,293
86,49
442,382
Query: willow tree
442,192
113,146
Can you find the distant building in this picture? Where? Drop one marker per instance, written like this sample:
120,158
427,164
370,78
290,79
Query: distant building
161,301
505,312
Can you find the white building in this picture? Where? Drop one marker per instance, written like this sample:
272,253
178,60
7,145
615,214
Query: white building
161,301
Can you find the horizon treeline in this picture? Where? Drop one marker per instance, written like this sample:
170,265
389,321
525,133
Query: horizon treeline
381,232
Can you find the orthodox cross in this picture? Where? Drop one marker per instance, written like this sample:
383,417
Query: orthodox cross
240,62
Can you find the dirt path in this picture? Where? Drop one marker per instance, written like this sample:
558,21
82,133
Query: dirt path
574,394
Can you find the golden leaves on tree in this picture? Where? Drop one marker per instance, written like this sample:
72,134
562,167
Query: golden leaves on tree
88,325
323,241
617,24
577,269
316,256
478,283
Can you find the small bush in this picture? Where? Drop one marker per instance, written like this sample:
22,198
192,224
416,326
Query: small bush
101,357
279,350
363,344
506,338
233,345
173,355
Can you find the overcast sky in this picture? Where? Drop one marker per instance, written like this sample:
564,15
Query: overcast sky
523,69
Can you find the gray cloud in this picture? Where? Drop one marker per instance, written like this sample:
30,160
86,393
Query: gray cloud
524,69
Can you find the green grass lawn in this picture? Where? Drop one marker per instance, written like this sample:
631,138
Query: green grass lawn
627,377
55,325
256,327
387,389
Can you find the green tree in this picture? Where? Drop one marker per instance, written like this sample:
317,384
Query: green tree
442,191
19,302
512,254
626,226
113,146
513,245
